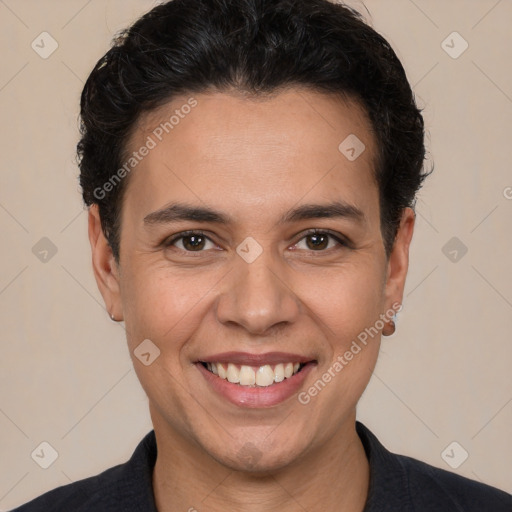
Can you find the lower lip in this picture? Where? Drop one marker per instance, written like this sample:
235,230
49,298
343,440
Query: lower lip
253,397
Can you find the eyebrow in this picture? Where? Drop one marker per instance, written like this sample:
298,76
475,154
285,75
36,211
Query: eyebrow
183,212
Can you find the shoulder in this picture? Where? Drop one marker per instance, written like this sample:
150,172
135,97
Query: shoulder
398,482
431,487
126,487
83,493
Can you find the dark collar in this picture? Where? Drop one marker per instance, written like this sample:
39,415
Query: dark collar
388,479
140,476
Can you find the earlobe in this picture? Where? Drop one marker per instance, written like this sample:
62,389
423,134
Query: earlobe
398,263
104,265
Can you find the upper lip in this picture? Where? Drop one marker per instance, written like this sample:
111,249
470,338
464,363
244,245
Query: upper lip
248,359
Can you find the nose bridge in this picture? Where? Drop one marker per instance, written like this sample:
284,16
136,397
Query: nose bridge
255,296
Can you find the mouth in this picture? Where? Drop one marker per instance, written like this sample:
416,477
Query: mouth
255,380
254,376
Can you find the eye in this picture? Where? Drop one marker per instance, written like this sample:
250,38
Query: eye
190,241
317,240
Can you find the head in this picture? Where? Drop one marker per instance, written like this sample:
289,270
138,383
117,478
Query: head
284,139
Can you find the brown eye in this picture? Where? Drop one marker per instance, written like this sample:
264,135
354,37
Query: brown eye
190,242
194,242
319,241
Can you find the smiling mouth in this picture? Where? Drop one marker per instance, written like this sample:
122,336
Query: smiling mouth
254,376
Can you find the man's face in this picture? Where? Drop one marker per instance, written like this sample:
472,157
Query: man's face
260,289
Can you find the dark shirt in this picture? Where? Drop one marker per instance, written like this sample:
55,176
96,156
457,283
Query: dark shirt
397,484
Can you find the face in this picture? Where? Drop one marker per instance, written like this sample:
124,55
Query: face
251,248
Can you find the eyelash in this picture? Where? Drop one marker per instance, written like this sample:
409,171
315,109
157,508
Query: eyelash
340,240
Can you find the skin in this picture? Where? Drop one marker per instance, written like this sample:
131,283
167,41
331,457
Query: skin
254,160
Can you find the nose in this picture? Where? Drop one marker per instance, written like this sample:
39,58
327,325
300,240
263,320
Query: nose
257,298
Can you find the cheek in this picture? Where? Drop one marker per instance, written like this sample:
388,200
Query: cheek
347,299
167,308
164,305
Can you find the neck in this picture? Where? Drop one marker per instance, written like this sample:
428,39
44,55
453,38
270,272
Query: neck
333,477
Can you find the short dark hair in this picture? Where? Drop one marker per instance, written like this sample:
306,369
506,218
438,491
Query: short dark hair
256,47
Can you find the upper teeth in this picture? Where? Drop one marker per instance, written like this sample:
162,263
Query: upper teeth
248,376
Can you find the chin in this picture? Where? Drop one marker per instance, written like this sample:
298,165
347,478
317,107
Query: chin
258,458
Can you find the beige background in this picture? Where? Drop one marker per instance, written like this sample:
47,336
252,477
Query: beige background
66,377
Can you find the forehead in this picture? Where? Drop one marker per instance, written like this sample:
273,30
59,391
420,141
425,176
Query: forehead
230,149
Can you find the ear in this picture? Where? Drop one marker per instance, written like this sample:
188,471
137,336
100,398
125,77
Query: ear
104,265
398,262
